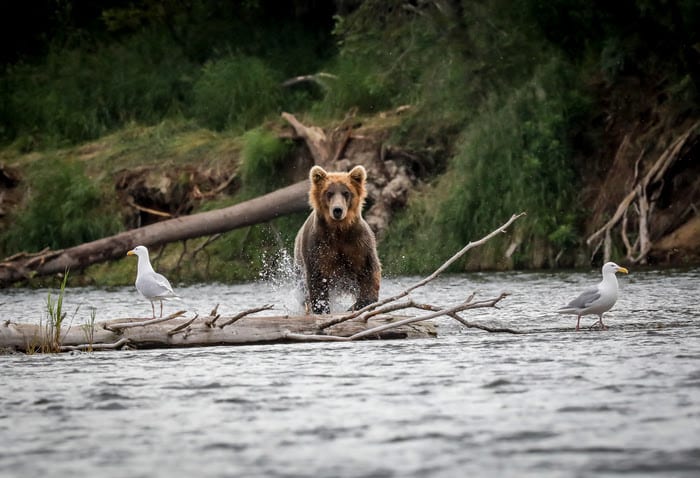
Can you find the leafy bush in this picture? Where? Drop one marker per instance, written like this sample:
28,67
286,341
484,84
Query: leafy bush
79,94
355,84
236,92
515,156
65,208
263,158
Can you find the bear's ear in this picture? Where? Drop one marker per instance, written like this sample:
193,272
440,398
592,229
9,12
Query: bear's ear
358,174
317,174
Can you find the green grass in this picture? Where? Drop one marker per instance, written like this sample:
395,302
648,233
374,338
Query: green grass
55,318
63,208
88,329
236,92
515,156
78,94
264,161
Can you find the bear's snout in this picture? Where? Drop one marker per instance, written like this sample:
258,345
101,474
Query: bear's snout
338,213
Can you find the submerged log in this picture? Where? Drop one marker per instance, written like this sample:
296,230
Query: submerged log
198,332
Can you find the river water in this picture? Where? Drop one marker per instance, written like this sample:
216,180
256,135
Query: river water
549,403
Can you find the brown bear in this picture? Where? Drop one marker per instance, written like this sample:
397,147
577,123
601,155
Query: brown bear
335,249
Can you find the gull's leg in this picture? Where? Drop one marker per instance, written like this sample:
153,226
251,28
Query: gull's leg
602,325
598,324
153,307
161,308
578,320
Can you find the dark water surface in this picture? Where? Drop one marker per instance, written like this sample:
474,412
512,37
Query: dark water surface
549,403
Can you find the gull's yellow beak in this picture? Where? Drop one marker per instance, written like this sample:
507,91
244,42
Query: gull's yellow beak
132,253
622,269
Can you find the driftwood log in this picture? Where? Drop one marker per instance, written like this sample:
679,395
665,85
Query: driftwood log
196,332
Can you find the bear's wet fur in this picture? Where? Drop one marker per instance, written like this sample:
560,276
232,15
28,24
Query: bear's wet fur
336,249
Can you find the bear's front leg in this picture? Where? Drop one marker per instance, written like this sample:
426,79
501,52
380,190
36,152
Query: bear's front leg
318,296
368,289
360,304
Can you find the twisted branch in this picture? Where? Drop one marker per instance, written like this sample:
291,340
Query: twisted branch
440,270
449,311
240,315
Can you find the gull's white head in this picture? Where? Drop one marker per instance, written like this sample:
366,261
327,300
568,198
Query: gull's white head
612,268
138,251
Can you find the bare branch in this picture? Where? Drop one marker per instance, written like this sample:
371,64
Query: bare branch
180,327
639,193
82,347
128,325
471,325
240,315
130,201
315,78
210,323
463,306
441,269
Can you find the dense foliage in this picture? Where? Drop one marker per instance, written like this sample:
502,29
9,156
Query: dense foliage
64,207
503,87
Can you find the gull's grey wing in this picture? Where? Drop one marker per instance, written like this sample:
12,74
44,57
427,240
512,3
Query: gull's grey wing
154,285
163,282
585,299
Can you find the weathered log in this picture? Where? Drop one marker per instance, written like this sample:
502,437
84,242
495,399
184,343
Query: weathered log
284,201
177,332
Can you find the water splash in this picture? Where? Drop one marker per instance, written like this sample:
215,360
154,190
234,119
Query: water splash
281,275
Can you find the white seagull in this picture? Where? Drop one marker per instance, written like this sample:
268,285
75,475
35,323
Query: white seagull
596,300
149,283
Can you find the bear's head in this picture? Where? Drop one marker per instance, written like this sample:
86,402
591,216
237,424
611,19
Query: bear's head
338,197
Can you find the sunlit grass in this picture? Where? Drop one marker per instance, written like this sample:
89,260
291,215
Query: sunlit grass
53,328
89,329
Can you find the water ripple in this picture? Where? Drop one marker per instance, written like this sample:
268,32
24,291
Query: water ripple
552,402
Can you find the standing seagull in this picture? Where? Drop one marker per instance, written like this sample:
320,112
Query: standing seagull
598,299
149,283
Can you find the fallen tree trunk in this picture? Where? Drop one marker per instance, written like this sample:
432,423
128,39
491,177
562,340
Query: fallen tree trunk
284,201
198,331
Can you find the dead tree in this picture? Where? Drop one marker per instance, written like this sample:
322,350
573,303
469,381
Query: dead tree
641,201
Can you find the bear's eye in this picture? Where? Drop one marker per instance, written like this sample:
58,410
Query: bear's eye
346,196
329,196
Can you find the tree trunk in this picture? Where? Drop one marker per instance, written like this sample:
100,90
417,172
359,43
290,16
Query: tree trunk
284,201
